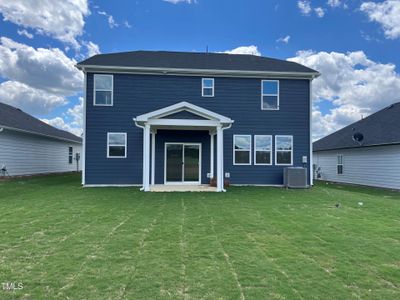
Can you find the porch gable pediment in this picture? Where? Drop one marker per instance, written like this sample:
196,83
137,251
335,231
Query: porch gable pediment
183,111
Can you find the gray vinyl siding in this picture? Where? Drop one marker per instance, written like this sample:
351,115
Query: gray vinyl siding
236,98
28,154
373,166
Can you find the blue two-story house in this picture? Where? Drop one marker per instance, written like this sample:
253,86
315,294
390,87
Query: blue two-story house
154,117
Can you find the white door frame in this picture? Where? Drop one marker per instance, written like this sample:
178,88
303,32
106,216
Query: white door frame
183,158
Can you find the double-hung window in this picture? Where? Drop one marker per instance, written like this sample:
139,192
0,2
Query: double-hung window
262,149
116,145
270,94
103,90
242,149
340,164
207,87
284,150
70,155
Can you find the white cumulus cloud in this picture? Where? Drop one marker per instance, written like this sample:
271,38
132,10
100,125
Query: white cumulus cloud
252,50
304,6
24,32
46,69
334,3
59,123
320,12
31,100
63,20
352,84
387,14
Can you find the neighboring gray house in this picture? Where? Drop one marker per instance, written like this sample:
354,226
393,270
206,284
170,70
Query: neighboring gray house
366,152
29,146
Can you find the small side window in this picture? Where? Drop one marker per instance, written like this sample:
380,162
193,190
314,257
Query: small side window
116,145
103,90
70,155
340,164
269,94
207,87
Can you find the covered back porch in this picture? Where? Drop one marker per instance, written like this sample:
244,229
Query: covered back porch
182,145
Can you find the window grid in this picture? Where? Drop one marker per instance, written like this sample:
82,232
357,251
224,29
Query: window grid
117,145
241,150
266,94
95,89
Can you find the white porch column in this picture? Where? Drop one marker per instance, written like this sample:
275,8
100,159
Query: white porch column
220,160
146,157
212,154
153,156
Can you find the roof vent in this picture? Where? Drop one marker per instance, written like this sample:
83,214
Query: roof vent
358,137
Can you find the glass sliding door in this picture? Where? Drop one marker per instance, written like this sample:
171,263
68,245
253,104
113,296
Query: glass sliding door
191,163
182,163
174,155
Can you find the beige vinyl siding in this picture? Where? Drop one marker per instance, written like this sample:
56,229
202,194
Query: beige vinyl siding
26,154
374,166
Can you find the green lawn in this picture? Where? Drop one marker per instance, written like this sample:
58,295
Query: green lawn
62,241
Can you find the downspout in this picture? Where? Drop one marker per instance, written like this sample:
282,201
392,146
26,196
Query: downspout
223,177
140,126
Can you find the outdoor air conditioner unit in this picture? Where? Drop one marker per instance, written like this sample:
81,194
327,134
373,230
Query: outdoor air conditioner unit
295,177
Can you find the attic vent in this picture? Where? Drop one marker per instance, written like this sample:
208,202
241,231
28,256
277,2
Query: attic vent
358,137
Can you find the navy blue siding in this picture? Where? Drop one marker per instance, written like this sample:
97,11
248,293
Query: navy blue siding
237,98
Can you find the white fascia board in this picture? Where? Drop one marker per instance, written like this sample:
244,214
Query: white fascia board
197,110
183,122
197,72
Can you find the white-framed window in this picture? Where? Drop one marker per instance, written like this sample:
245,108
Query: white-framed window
242,149
116,144
263,150
284,150
70,155
270,94
339,167
103,89
207,87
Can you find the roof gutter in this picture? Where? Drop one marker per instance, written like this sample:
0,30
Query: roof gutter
183,71
37,133
357,147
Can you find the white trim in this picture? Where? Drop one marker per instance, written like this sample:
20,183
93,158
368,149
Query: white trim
83,156
108,144
255,150
275,95
337,164
146,158
311,161
183,182
236,150
211,156
183,122
220,159
203,87
180,106
197,72
103,90
153,157
291,151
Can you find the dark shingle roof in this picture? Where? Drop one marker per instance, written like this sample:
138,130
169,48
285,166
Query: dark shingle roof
195,60
17,119
380,128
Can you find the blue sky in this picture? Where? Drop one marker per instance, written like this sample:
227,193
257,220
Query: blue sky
355,44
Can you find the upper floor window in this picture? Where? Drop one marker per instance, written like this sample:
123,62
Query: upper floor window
207,87
340,164
116,145
263,149
270,94
242,149
284,150
103,90
70,155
